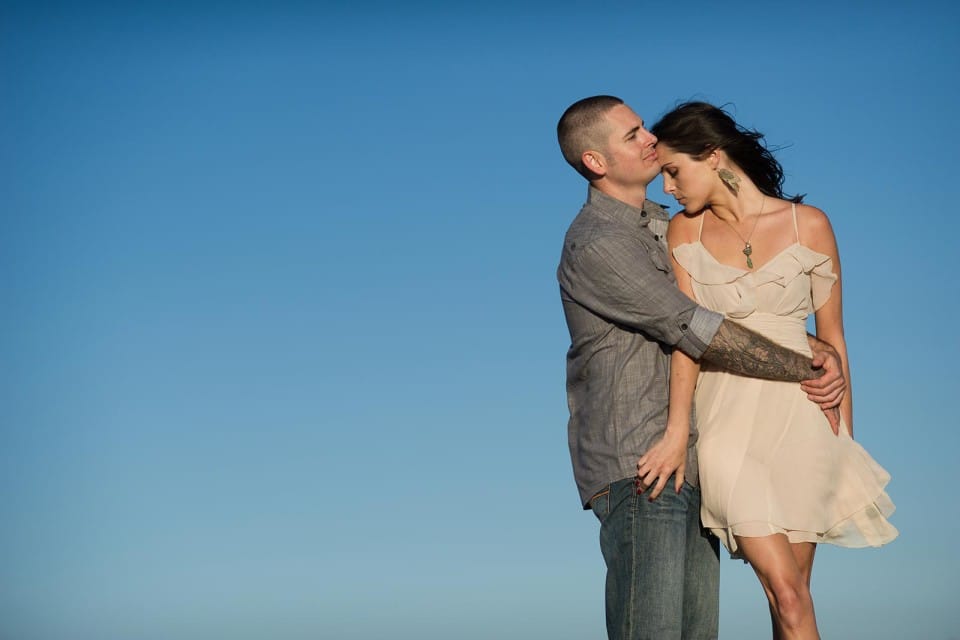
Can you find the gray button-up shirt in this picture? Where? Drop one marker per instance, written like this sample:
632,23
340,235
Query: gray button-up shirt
625,314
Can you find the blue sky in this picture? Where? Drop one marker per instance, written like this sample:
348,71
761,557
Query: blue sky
283,344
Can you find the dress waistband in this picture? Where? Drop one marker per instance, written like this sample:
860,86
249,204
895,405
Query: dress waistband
784,330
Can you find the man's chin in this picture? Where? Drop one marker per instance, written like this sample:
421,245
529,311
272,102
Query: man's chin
650,177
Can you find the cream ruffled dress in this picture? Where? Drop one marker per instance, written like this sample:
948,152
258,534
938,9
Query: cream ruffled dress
769,462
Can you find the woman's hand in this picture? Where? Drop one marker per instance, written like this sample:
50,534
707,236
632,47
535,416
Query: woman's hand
667,457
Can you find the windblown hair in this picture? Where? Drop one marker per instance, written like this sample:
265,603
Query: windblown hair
698,128
582,127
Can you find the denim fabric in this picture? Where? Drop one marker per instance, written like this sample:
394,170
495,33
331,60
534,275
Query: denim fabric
663,568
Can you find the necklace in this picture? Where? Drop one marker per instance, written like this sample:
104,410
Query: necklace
747,248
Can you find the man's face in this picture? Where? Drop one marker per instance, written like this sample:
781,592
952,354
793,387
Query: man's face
631,155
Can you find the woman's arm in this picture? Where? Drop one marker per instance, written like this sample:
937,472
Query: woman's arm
670,454
817,234
683,369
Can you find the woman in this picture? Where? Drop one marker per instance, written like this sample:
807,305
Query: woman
776,478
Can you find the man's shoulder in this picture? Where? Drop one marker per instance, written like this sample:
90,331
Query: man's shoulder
591,224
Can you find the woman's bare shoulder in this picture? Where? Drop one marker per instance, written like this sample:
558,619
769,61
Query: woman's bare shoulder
814,226
684,228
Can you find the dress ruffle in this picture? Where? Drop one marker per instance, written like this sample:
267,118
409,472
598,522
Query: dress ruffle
783,269
854,517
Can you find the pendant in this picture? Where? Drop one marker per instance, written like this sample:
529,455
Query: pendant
747,250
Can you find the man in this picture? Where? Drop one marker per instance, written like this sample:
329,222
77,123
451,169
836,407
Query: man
625,315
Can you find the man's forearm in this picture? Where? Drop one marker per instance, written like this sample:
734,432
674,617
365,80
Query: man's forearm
740,350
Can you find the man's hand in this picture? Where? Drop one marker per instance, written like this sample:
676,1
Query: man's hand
669,456
828,389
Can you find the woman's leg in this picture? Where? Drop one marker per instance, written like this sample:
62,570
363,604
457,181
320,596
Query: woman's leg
785,584
803,553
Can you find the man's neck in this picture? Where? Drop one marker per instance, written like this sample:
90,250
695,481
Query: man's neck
634,196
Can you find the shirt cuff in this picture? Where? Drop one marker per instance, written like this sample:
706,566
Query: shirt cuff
703,327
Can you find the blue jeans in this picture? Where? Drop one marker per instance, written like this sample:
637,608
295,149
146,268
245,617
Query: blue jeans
663,568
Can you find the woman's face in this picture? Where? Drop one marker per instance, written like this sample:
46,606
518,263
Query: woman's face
688,180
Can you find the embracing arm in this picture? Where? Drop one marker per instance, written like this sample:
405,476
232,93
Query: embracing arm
740,350
669,455
746,352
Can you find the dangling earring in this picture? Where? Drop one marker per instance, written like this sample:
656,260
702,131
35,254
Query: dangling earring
730,179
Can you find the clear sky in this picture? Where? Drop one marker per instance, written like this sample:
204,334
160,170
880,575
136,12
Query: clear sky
282,343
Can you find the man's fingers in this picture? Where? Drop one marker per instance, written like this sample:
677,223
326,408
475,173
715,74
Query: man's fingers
678,484
831,399
832,403
820,393
823,384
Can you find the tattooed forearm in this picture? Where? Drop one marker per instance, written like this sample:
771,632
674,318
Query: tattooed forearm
746,352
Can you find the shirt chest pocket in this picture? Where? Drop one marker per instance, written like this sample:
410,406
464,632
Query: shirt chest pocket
658,259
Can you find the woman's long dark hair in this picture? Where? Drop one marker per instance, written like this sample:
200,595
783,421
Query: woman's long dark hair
697,128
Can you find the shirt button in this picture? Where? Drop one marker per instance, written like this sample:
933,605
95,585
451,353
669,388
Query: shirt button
657,238
643,214
683,327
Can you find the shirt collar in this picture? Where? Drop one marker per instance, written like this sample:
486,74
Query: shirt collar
623,212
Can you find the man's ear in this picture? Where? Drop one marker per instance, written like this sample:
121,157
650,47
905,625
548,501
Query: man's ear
595,162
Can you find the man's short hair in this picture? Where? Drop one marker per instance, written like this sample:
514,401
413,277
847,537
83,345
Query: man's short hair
582,127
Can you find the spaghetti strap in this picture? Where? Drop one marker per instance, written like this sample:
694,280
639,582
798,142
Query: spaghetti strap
700,232
796,229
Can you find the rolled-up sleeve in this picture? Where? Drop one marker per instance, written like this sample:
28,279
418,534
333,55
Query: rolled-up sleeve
616,277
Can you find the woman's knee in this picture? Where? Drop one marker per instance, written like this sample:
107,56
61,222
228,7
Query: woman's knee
791,599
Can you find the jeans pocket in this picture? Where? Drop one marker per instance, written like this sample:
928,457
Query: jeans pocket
600,503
